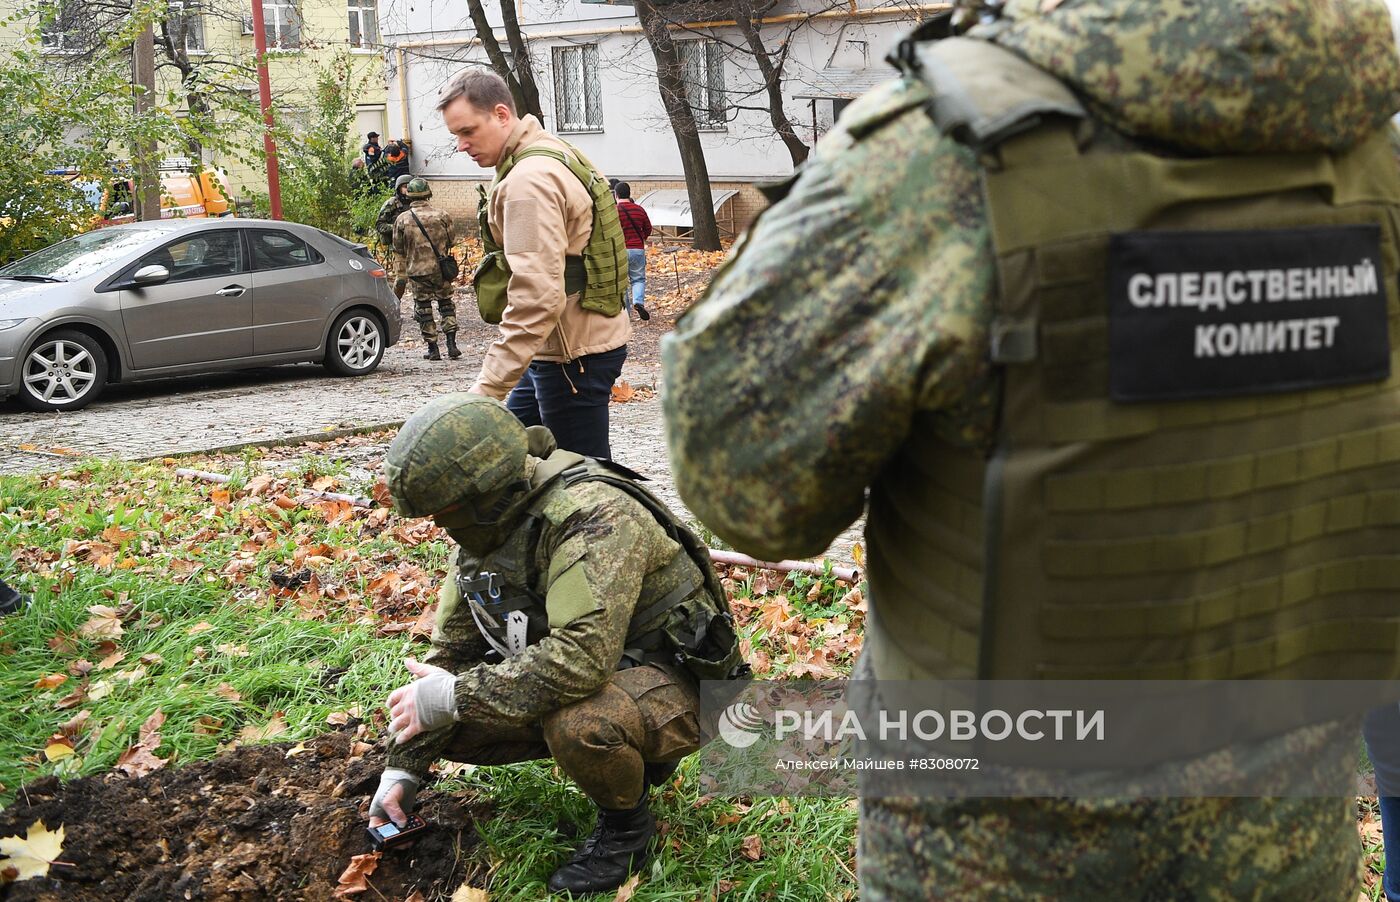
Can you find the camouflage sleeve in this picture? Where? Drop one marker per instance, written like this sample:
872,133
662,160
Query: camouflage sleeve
594,564
856,301
400,238
457,645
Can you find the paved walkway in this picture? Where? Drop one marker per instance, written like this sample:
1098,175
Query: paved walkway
180,416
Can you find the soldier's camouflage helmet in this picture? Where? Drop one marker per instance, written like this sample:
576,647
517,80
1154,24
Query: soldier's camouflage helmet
402,180
417,189
457,448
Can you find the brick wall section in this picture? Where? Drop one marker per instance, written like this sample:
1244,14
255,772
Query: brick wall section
458,197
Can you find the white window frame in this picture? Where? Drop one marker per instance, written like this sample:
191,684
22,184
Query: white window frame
279,18
193,24
702,71
55,38
363,16
576,75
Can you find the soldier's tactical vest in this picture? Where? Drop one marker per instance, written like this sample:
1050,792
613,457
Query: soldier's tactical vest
682,618
600,273
1197,467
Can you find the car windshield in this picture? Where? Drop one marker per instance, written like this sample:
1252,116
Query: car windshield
83,255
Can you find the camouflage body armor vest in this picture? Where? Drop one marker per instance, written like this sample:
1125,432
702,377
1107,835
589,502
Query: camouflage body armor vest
1172,494
682,618
600,273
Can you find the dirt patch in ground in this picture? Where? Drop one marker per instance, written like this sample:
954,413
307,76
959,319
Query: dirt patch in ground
254,823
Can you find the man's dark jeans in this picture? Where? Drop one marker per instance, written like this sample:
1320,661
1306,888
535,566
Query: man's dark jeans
1382,731
571,399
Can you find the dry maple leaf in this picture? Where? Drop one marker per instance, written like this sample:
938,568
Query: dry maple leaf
31,856
104,624
258,484
59,747
226,691
111,660
467,893
752,847
622,392
76,724
355,878
625,891
202,626
74,698
140,759
51,681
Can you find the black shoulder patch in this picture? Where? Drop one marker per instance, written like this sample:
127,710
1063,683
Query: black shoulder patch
1219,313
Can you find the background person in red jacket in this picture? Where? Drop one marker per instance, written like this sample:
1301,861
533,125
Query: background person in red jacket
636,227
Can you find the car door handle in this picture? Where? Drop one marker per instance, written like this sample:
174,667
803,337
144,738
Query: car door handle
232,291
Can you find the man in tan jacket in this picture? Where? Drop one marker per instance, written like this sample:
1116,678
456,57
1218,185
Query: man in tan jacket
555,360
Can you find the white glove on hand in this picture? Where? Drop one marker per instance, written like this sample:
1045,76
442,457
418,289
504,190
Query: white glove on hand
393,800
426,704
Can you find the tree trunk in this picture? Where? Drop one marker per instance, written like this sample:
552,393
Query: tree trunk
772,83
526,101
705,234
524,65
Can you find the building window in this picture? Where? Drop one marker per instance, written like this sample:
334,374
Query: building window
283,24
702,68
364,23
67,32
578,95
186,25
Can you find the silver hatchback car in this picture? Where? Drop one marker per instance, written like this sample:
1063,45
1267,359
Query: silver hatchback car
168,298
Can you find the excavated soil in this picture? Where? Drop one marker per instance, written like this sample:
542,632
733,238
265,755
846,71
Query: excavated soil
254,823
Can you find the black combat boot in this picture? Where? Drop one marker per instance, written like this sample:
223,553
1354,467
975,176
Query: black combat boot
432,352
616,850
452,346
10,599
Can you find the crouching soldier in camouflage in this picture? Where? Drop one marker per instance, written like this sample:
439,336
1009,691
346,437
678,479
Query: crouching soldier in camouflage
577,618
423,235
389,213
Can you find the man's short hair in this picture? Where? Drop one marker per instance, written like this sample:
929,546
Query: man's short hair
624,191
481,87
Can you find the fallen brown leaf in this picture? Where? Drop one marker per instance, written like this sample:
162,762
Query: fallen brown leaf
752,847
226,691
625,891
355,878
140,759
467,893
51,681
105,623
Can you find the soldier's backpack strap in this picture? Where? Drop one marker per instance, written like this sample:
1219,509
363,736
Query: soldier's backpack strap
982,94
706,644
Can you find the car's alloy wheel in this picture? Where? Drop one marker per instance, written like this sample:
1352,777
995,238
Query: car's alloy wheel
64,371
356,344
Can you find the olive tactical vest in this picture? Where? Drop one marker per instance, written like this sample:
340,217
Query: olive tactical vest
687,625
1172,495
600,273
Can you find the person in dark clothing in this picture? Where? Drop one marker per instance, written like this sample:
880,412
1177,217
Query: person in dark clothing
373,154
395,161
636,227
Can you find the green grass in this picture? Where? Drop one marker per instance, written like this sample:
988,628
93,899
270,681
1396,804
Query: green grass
173,554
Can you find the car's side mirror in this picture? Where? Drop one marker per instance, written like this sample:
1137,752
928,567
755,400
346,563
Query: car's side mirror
155,274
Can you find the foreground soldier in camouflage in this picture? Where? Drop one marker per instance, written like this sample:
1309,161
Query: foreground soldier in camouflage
932,311
389,213
576,619
423,234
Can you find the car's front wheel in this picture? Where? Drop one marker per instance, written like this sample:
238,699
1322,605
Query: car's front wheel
355,345
66,370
